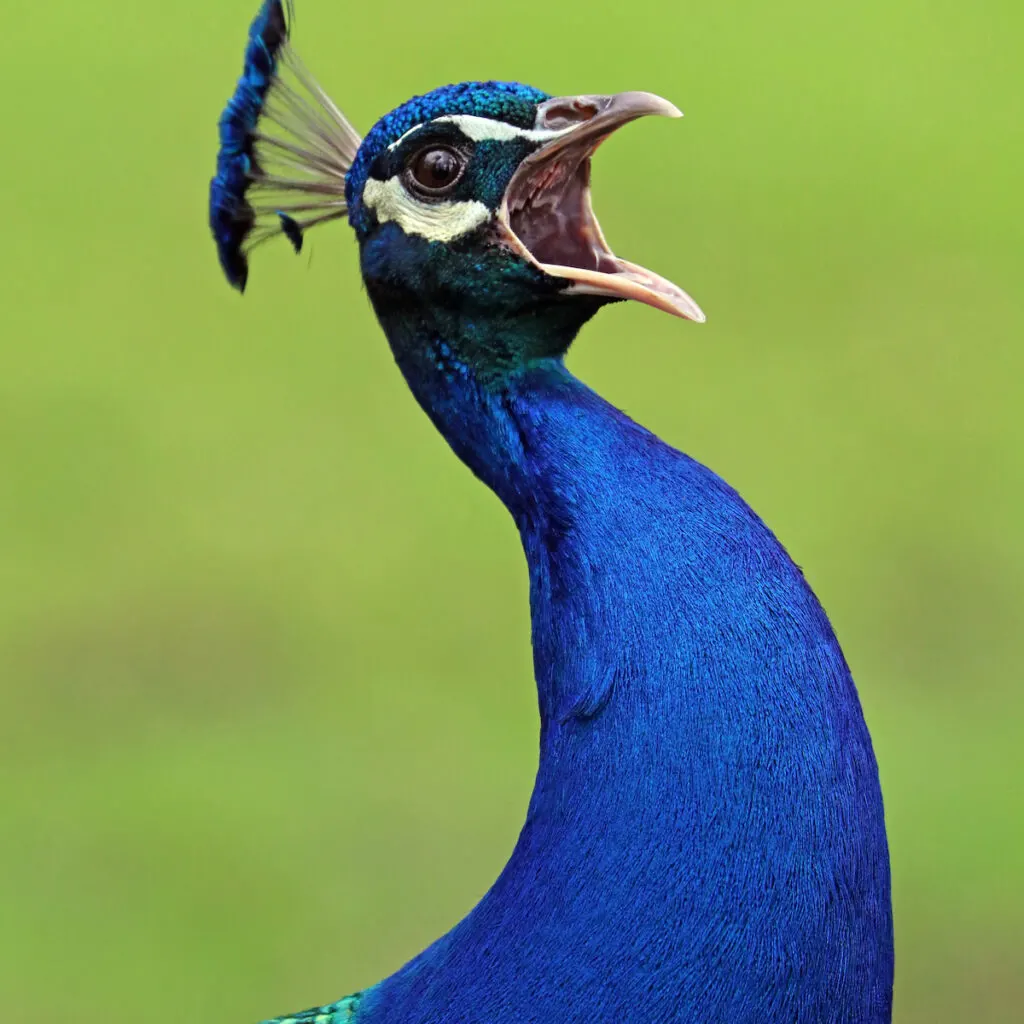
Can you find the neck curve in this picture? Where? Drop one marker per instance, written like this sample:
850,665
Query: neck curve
706,824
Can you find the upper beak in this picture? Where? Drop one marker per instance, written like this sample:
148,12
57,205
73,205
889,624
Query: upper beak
546,213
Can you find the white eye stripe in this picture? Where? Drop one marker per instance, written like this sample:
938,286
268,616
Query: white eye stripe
437,222
486,129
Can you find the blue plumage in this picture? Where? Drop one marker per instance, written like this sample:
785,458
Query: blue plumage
231,215
709,846
705,841
279,136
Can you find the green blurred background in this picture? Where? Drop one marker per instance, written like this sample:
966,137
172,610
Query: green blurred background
267,723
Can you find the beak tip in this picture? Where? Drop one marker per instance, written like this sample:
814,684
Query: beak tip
627,106
662,106
687,309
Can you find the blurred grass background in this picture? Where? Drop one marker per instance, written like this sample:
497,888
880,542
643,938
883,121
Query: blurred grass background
267,723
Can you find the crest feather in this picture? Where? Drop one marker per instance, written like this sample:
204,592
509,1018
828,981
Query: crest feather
285,149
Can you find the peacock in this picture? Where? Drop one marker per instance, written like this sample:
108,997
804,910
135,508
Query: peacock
705,840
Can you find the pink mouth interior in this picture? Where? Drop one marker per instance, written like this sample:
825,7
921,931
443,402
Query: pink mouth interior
547,218
549,211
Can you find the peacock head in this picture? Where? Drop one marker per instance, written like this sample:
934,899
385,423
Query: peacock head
471,204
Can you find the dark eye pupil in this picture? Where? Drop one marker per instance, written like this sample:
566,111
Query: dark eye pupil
436,168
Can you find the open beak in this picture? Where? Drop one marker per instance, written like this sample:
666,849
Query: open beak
546,214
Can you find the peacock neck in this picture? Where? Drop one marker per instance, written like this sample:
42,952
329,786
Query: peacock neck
705,778
646,570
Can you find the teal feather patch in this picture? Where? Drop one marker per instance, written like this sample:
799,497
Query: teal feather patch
341,1012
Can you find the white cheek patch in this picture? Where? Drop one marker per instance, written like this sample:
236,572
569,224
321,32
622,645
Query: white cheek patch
437,222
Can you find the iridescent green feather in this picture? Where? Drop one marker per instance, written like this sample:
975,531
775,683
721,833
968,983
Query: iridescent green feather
341,1012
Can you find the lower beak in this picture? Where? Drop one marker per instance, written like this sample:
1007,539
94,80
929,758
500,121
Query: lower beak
546,214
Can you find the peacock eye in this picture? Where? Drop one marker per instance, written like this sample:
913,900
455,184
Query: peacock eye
436,169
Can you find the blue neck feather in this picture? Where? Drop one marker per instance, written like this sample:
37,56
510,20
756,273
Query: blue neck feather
705,840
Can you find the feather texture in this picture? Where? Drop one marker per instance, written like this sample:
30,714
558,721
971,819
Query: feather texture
341,1012
285,149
